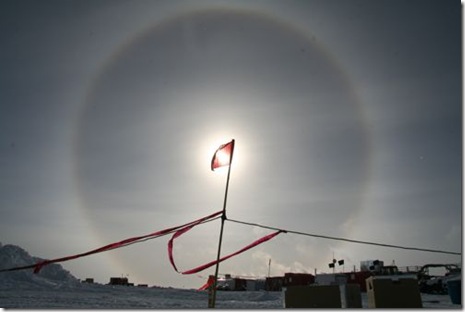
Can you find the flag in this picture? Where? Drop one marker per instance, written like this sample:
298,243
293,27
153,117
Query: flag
223,155
209,283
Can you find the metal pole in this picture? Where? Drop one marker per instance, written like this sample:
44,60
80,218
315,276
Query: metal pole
334,263
269,267
223,217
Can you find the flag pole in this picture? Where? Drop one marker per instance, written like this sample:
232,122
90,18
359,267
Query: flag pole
223,217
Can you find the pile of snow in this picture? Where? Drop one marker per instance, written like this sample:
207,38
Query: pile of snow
52,275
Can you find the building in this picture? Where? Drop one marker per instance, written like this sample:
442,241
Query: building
120,281
274,283
331,279
240,284
269,284
298,279
371,265
358,278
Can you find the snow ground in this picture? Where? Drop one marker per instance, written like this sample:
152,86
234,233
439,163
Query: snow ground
96,296
56,288
123,297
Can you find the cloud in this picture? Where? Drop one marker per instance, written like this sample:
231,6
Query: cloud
277,268
455,234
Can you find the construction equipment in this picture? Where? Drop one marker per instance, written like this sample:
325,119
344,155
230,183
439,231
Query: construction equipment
432,278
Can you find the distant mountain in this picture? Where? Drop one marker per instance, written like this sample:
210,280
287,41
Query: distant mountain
50,275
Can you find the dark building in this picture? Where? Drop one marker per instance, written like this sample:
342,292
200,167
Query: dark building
298,279
358,278
120,281
274,283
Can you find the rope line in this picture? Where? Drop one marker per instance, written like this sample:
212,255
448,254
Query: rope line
346,239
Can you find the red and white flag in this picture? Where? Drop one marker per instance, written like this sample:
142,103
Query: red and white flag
223,155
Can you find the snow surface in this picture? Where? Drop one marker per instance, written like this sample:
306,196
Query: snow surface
93,296
123,297
55,287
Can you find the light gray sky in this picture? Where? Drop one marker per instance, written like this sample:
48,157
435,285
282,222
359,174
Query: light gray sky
347,117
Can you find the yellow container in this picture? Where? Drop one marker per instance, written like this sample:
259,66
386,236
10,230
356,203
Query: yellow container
393,291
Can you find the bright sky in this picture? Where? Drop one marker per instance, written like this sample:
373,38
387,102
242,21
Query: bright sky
347,117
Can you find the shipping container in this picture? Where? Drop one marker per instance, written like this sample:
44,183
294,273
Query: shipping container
298,279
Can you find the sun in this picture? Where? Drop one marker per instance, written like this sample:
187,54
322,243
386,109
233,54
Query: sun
223,158
212,146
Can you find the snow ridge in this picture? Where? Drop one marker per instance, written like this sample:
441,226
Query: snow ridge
52,275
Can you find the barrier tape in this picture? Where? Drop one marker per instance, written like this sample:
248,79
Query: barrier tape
179,230
209,264
39,265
